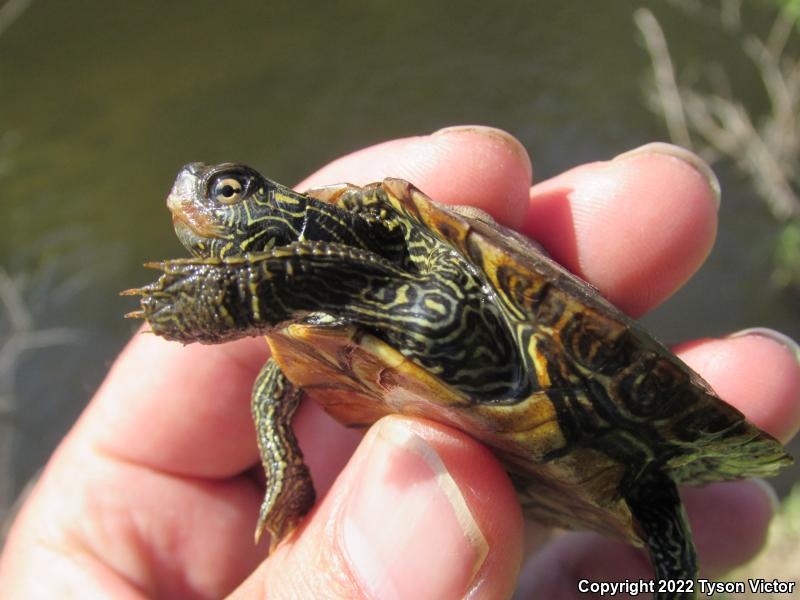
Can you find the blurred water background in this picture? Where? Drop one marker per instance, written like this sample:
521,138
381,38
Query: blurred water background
102,102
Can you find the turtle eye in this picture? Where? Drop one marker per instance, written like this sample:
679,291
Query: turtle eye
227,190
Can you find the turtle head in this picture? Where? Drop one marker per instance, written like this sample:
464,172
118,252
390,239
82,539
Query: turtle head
229,209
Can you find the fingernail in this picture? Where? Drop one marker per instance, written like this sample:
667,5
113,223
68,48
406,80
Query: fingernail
775,336
687,156
407,531
505,138
770,492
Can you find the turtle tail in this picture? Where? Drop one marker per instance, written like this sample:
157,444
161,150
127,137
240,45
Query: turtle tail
657,508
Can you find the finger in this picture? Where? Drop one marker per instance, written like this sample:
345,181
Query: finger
106,529
756,370
186,410
759,373
637,227
178,409
475,165
728,520
421,511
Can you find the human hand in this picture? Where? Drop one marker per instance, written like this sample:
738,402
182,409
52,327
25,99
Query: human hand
152,492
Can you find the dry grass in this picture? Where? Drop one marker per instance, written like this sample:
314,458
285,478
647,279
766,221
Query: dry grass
716,124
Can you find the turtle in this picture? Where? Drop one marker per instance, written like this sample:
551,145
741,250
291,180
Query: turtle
377,300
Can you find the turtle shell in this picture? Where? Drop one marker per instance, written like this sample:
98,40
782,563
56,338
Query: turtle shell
607,399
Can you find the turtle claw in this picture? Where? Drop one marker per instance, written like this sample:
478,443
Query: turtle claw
135,314
154,264
259,530
132,292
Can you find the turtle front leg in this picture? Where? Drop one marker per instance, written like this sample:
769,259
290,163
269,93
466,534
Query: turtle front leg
290,492
440,319
658,509
211,300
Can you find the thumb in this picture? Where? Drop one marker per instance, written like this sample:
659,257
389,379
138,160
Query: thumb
420,511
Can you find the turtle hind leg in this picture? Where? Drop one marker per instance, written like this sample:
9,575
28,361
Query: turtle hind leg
290,492
658,509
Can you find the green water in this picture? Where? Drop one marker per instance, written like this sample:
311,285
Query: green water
101,102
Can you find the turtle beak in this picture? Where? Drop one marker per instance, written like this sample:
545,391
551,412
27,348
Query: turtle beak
185,202
183,189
